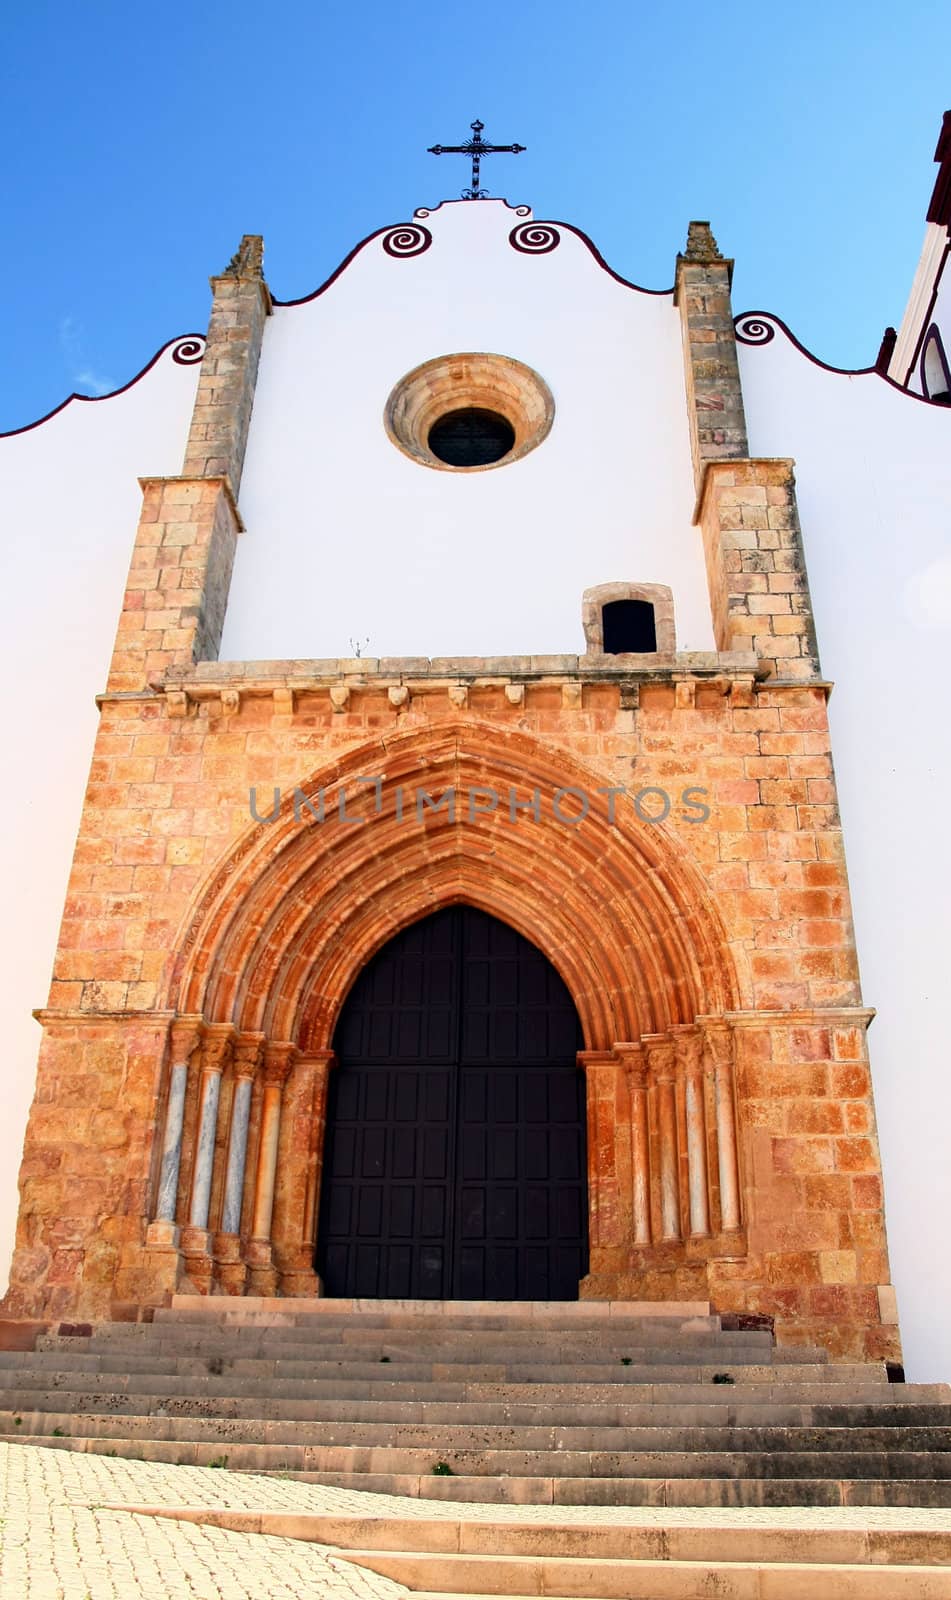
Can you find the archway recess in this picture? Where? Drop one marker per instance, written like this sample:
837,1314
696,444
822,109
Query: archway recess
454,1164
301,904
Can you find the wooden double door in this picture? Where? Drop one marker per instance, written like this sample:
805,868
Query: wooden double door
455,1163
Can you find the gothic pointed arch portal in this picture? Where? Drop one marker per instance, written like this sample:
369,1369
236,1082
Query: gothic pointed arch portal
454,1163
352,857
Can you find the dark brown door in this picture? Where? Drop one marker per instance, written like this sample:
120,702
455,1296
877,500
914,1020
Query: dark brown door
455,1164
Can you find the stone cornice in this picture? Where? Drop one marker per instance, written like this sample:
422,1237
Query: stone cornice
46,1015
223,685
731,464
844,1016
223,483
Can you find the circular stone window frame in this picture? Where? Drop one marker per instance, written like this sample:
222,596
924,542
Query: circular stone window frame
469,380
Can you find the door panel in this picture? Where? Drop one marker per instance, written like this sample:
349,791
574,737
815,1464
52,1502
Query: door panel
455,1159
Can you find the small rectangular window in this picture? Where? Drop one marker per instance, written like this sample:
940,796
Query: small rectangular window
629,627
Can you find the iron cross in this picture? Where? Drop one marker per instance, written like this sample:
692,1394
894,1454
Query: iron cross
475,147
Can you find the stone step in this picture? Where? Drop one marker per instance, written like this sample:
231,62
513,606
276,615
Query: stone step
674,1492
280,1448
464,1438
687,1354
594,1401
648,1329
535,1490
112,1360
849,1544
603,1579
197,1397
602,1362
531,1352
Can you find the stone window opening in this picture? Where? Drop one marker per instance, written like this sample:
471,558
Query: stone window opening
471,437
469,412
628,627
628,619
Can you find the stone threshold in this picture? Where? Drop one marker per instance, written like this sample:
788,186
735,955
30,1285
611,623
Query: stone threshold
519,1311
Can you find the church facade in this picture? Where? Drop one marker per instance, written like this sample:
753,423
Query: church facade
459,906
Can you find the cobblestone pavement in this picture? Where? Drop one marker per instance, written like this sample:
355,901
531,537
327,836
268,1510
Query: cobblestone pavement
57,1542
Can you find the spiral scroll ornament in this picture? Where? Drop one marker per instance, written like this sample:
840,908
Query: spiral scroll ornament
535,238
754,330
523,211
188,351
409,240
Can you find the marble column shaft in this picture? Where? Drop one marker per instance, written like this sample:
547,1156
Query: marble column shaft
635,1066
247,1055
660,1055
718,1046
688,1044
277,1065
215,1049
185,1038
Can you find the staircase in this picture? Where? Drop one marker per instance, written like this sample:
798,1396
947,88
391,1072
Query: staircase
438,1556
587,1403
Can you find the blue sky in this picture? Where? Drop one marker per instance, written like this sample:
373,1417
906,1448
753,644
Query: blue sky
140,143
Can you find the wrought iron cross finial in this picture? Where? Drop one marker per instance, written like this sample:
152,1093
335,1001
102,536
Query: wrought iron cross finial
475,147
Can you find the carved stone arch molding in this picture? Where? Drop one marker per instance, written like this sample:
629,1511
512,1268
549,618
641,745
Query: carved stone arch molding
659,595
298,908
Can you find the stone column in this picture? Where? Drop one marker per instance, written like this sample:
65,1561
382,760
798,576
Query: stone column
718,1051
635,1067
662,1070
163,1232
688,1046
230,1270
262,1273
609,1199
196,1238
303,1129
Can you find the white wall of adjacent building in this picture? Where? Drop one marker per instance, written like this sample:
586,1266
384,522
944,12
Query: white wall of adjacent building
873,470
69,507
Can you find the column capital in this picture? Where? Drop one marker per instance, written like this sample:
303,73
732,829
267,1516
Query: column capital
186,1035
279,1057
248,1049
688,1049
217,1044
633,1060
660,1056
588,1060
717,1045
321,1058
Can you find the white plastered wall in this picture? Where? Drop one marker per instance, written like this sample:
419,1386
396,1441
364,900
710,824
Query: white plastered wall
873,470
349,540
69,507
